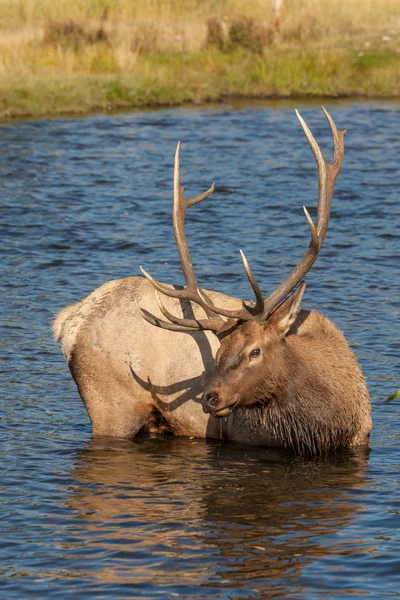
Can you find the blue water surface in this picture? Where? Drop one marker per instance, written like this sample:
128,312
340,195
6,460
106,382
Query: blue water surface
83,201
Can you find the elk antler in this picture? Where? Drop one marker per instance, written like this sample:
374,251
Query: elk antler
192,291
263,308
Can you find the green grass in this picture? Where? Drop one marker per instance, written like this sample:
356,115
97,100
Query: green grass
76,57
395,396
202,77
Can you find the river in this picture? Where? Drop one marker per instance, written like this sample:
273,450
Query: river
87,200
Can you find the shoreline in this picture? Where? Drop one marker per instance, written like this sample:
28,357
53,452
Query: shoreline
234,101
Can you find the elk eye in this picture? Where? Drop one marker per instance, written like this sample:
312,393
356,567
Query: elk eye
255,352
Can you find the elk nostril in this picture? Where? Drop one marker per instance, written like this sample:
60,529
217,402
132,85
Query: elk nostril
212,399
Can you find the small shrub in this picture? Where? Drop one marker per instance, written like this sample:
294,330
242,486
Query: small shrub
70,34
65,34
244,32
215,34
395,396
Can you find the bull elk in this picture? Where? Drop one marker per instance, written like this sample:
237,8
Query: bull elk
148,356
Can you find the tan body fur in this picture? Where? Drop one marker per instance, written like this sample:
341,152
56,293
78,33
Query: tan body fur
134,376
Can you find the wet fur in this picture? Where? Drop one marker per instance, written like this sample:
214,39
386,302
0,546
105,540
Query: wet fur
314,399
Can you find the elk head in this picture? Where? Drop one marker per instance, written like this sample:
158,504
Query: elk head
253,359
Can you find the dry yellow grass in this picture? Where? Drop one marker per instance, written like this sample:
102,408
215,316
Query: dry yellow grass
341,13
155,52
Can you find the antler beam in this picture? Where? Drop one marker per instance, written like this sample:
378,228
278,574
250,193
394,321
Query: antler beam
191,291
263,308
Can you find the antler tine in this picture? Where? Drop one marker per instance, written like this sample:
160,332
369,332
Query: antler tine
168,291
256,288
176,323
246,313
147,316
193,324
178,222
327,174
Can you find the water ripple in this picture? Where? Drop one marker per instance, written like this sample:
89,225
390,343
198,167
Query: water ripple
85,201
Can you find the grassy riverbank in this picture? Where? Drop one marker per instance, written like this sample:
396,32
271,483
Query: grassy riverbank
58,57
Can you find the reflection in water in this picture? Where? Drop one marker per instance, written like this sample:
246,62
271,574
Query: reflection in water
168,511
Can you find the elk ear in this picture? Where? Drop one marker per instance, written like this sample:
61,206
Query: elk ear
286,314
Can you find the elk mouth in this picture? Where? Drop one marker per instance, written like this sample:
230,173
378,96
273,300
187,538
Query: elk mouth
217,407
224,412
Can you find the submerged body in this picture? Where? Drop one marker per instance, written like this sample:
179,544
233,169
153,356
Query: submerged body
133,376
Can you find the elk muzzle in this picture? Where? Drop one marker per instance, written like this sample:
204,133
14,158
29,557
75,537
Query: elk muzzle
217,405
